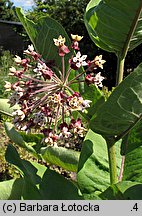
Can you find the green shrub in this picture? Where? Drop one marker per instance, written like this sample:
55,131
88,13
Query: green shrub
6,61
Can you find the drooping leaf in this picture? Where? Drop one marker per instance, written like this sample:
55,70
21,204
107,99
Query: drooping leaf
121,112
28,170
93,169
60,156
5,107
42,33
17,138
115,25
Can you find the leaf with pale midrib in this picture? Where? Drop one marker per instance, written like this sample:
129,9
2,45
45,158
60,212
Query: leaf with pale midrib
93,169
123,109
115,25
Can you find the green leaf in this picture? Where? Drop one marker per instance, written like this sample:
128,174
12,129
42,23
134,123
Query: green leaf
5,107
125,190
121,112
94,94
133,165
115,25
93,169
65,158
133,139
60,156
11,189
28,170
56,187
17,138
39,182
42,33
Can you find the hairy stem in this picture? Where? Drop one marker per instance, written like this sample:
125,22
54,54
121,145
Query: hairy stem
120,70
112,163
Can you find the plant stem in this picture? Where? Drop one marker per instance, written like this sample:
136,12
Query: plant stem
122,168
120,70
63,68
112,163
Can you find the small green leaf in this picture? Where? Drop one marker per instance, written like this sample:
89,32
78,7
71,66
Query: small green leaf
60,156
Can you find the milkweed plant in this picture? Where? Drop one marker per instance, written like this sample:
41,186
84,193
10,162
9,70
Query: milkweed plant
46,101
64,116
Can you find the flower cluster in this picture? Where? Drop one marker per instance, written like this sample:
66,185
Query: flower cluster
46,101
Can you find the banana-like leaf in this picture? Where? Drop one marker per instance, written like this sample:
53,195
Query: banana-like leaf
42,33
60,156
93,169
123,109
115,26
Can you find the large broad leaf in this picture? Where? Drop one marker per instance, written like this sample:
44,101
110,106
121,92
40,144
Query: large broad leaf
38,181
60,156
56,187
11,189
115,25
123,109
93,170
42,33
133,165
125,190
